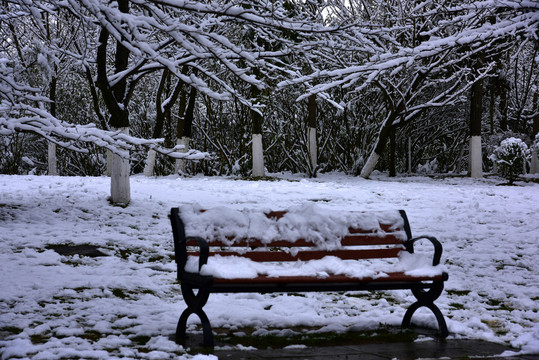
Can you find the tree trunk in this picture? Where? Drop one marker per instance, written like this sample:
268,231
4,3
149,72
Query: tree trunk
383,136
476,112
503,105
491,112
162,113
534,162
258,156
120,192
385,131
52,160
184,129
256,146
312,144
95,98
392,154
476,159
116,101
369,166
150,163
181,165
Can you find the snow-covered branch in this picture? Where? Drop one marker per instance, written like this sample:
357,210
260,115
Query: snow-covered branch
513,19
22,110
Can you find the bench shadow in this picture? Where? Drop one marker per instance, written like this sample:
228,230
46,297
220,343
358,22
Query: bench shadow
299,337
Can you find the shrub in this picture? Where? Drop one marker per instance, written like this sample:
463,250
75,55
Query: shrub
510,158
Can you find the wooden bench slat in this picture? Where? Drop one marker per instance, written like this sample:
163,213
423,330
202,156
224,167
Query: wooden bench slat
387,239
350,240
279,256
392,277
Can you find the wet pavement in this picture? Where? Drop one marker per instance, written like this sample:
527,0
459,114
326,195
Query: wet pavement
427,349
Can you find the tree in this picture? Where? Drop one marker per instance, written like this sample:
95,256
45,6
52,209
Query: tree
476,113
534,161
511,158
23,106
17,114
116,97
163,109
434,43
357,74
312,143
201,36
185,125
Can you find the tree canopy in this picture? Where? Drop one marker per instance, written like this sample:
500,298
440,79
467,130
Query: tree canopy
374,67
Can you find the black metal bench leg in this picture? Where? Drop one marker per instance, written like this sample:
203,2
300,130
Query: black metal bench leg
194,306
442,326
206,326
426,299
182,325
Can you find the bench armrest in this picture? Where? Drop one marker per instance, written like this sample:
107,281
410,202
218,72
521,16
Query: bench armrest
437,247
204,250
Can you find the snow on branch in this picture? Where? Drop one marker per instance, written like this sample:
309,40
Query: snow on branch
22,110
265,13
467,29
218,38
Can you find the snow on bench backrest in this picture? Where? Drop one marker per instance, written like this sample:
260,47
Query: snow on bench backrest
328,231
304,224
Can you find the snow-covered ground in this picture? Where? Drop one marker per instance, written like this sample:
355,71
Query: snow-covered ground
126,305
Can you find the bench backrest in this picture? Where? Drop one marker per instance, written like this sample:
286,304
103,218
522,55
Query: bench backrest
384,237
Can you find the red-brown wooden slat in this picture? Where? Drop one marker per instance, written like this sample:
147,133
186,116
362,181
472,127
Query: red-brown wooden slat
387,227
349,240
256,243
275,214
262,256
398,276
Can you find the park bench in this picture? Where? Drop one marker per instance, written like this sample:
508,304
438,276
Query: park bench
276,238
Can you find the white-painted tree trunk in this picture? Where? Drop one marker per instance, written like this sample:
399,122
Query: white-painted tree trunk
52,160
181,164
258,156
476,157
313,149
534,163
369,166
150,163
120,192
